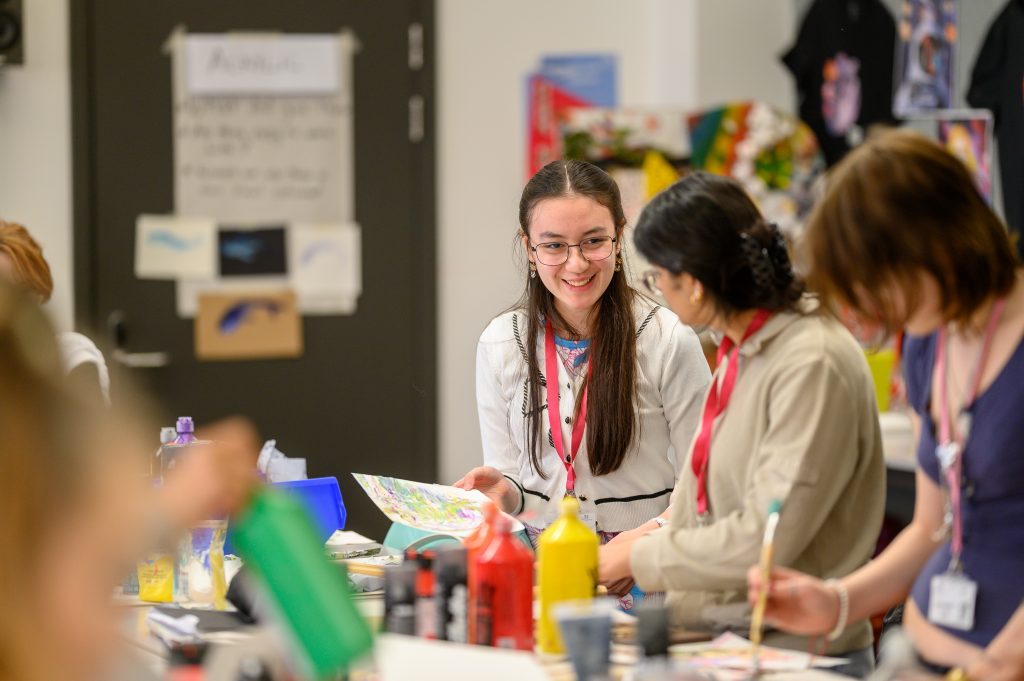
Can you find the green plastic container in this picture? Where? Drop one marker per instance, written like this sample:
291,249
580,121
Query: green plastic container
278,542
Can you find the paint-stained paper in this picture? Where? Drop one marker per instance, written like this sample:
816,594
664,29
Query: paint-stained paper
172,247
256,325
424,506
325,261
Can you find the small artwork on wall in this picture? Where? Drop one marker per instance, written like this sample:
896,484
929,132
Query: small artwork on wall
248,252
925,55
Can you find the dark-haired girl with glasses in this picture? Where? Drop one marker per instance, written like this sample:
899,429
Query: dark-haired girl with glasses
790,417
586,387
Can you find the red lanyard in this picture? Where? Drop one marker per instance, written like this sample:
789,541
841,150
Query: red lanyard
717,401
554,411
951,444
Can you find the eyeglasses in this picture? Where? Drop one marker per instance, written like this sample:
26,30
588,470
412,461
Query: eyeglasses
554,253
650,279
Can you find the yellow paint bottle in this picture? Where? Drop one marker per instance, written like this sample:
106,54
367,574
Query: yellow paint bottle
566,570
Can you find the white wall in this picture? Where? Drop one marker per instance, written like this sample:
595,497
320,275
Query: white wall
35,144
485,50
738,48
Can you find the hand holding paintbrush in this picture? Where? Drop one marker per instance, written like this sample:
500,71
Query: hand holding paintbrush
757,618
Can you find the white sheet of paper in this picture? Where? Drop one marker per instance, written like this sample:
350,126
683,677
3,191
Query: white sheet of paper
403,657
261,64
170,247
325,259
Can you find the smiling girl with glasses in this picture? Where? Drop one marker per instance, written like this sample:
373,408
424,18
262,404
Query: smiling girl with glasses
586,387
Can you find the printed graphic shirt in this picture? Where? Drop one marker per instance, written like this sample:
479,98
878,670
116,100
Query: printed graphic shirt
843,75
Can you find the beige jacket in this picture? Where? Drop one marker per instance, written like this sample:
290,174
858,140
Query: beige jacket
801,427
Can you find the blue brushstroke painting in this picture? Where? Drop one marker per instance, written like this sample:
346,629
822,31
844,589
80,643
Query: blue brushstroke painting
315,249
235,316
241,249
168,239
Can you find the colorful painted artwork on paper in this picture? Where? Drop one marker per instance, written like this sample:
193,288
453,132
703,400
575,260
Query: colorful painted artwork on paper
424,506
731,656
968,140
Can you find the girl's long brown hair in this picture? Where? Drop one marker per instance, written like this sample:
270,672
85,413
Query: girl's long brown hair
612,393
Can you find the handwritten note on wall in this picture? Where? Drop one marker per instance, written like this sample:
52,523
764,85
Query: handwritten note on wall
249,144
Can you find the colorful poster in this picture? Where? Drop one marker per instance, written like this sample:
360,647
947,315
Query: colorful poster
969,138
925,55
424,506
588,77
562,84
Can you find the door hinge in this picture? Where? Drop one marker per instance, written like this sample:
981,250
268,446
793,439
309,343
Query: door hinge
416,46
416,124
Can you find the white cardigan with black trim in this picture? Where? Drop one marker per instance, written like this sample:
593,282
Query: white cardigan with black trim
672,379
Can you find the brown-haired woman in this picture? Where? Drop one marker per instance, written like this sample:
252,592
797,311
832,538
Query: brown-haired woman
22,262
903,237
790,418
583,352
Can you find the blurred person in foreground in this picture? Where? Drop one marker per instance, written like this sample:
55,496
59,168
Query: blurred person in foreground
76,509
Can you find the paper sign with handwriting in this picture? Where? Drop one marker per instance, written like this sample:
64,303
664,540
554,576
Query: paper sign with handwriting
264,155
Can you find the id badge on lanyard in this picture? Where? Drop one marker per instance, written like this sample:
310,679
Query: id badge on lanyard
953,594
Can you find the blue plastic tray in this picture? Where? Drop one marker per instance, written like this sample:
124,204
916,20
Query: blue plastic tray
321,497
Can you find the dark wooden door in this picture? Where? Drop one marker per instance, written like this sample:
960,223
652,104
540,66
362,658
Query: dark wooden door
362,398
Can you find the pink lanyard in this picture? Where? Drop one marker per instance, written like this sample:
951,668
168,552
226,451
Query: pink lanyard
717,401
554,411
949,450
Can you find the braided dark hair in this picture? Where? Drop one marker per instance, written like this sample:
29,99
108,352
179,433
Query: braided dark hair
707,225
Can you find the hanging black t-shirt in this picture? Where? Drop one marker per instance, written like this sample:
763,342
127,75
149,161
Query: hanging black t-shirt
997,83
842,62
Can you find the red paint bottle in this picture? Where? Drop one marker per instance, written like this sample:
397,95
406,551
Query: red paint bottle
475,543
503,589
426,611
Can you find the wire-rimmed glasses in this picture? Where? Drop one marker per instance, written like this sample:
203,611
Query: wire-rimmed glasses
593,249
